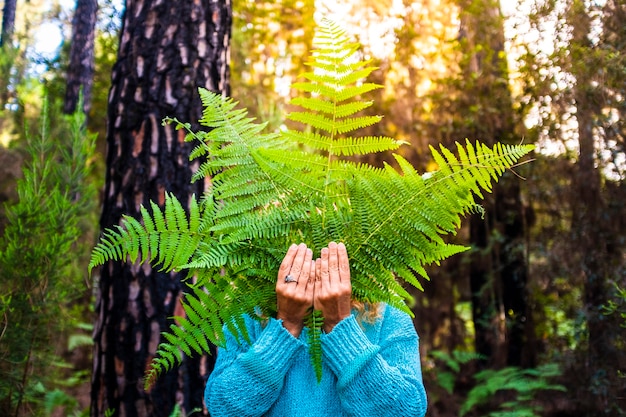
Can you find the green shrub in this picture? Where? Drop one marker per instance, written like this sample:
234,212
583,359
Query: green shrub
39,272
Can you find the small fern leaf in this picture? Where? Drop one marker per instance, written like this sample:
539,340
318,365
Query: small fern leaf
167,356
314,323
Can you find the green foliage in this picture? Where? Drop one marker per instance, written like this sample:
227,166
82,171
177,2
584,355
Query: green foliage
177,412
507,392
447,375
270,190
617,305
38,278
524,384
57,398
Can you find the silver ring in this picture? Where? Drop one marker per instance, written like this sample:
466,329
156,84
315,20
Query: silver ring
289,278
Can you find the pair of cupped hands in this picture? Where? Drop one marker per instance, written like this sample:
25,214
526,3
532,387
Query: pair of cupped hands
321,284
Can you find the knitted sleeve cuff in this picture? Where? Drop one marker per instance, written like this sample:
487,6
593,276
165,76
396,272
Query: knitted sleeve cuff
347,350
271,355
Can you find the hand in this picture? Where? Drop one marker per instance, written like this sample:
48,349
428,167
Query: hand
333,290
294,299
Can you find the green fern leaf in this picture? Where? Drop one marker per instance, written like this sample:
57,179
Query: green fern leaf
166,239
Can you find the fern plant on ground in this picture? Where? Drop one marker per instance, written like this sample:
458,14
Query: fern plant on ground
273,189
520,388
506,392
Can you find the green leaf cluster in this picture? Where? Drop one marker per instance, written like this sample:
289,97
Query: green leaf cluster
617,305
506,392
524,384
269,190
448,374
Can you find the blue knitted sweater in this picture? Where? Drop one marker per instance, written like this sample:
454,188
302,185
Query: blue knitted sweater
368,371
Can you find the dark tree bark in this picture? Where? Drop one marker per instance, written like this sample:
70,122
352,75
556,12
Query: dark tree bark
8,22
498,270
82,61
487,329
167,50
592,225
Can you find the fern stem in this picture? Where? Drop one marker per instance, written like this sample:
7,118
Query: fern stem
330,154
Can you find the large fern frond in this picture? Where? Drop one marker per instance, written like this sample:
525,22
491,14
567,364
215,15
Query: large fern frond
270,190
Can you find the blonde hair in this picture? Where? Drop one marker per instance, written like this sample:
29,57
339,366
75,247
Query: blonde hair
367,312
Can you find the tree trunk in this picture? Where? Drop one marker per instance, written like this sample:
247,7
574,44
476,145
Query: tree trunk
484,300
167,50
590,228
498,271
81,67
8,22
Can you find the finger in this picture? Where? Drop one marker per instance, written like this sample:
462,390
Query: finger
318,269
306,269
310,282
285,265
298,261
333,262
317,288
324,275
312,274
344,262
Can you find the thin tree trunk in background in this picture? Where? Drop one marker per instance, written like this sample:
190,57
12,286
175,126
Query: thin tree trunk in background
498,271
167,50
484,315
6,44
82,61
8,22
591,225
513,272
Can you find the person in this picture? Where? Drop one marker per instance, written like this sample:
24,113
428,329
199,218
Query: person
370,367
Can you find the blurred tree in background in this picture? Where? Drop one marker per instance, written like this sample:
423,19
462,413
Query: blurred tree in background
574,85
270,43
80,70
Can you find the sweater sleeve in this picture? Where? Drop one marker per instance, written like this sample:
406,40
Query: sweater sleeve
382,379
247,379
